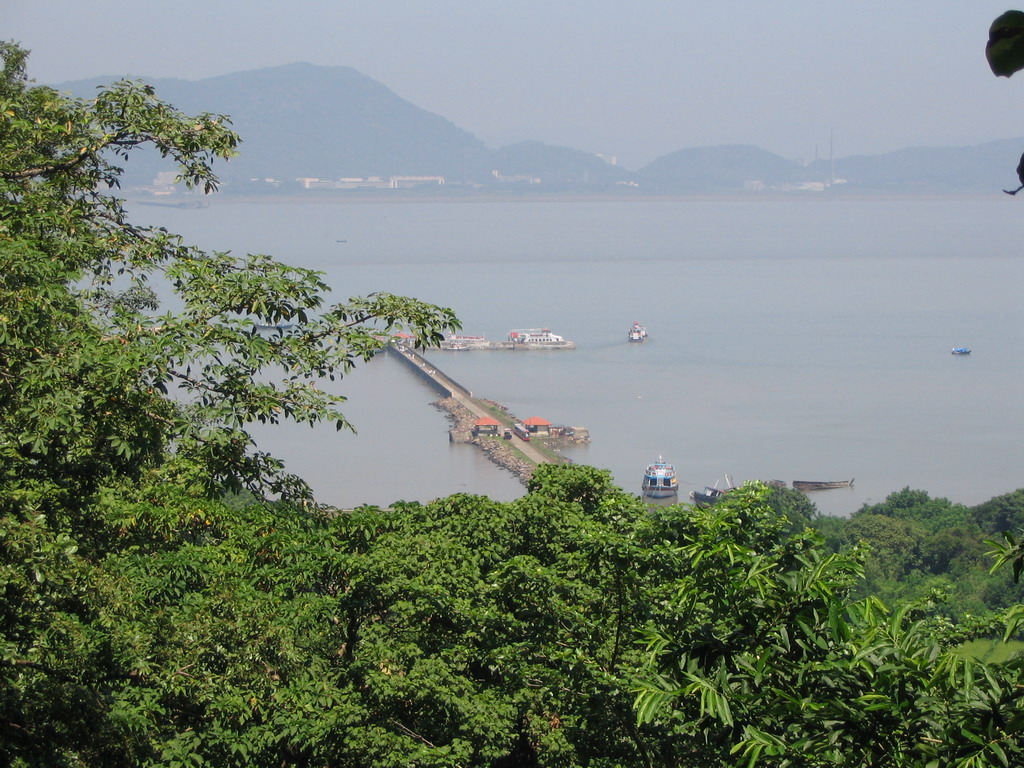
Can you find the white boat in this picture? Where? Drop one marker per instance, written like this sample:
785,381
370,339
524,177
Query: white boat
660,480
538,337
637,332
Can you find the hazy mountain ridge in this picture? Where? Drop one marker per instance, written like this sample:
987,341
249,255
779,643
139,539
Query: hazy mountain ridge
726,167
307,121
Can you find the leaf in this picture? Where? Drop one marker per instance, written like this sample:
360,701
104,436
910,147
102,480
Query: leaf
1005,48
1020,175
999,753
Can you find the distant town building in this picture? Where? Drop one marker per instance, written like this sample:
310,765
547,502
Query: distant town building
164,183
370,182
515,179
398,182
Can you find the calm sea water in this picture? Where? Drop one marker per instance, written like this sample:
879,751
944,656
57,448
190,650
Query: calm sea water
806,339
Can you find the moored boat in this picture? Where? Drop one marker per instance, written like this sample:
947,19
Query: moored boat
538,338
660,480
457,342
711,495
820,485
708,497
637,332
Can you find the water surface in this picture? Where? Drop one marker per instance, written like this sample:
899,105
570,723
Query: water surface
806,339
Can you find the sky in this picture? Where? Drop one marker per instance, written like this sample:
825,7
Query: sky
631,80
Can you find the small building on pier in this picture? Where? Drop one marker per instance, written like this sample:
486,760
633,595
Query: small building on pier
485,425
537,426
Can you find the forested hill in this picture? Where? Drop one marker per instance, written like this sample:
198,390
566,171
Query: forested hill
301,120
307,121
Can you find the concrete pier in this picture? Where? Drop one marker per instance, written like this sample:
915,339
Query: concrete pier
461,396
462,346
441,382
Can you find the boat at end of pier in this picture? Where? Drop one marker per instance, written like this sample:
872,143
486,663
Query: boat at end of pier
660,480
457,342
637,332
538,338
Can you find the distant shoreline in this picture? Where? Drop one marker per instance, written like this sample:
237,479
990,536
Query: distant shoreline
228,198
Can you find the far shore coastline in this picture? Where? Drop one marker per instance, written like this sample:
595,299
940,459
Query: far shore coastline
228,198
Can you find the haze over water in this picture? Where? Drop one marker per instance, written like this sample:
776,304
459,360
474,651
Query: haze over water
793,339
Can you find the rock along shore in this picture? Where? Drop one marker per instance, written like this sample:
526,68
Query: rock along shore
496,449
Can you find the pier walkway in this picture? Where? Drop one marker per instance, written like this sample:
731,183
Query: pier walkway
448,387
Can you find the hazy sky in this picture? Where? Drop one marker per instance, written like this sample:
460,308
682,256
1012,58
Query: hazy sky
634,79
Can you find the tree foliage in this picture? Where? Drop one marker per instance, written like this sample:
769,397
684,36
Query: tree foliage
462,632
917,547
773,662
1005,48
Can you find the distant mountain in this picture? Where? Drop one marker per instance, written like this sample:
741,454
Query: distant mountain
935,170
719,169
922,170
301,120
556,165
330,123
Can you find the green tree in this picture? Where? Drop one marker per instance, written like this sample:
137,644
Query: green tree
917,547
774,663
1000,513
918,507
461,632
107,404
895,548
794,505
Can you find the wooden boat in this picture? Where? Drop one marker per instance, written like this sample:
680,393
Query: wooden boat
711,494
819,485
708,497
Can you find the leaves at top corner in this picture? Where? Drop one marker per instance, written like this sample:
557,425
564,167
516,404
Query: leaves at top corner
1005,48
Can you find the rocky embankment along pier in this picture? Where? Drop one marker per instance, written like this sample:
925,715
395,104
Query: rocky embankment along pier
519,458
497,450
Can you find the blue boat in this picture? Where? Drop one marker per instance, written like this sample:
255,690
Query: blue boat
660,480
711,495
961,351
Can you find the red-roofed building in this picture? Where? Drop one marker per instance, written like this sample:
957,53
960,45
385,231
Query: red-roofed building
485,425
537,425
